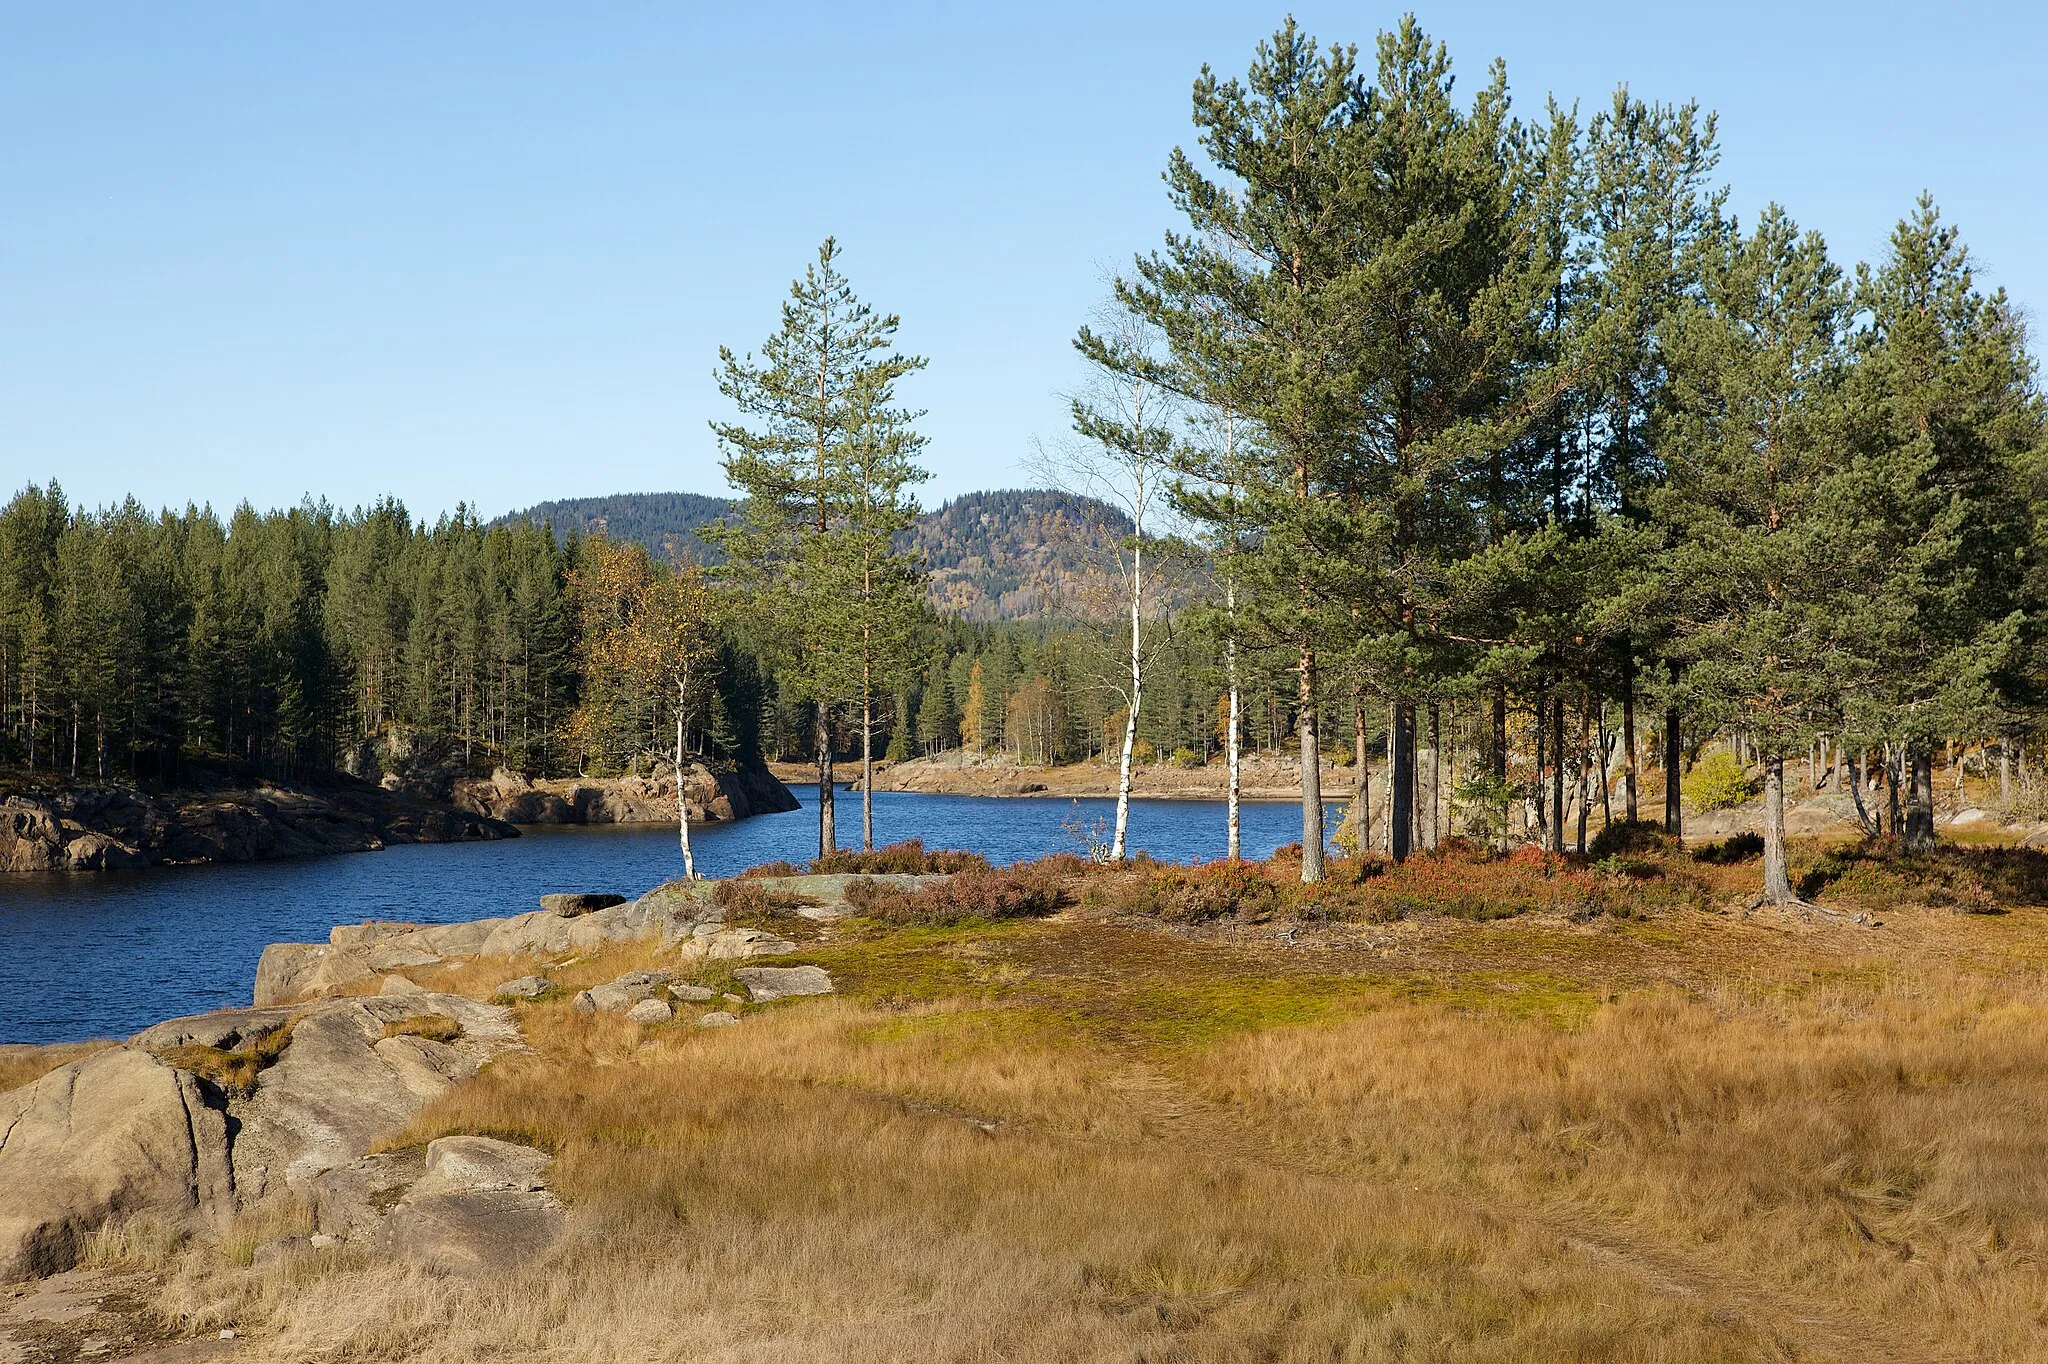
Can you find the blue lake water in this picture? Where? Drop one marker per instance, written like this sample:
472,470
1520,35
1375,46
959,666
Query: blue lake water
101,954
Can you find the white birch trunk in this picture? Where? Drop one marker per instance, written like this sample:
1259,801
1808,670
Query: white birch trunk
1230,740
1123,779
682,801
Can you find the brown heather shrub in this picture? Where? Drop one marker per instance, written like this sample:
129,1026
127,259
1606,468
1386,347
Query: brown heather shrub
976,895
744,898
907,858
776,868
1192,894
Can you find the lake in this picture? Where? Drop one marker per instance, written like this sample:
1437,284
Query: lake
104,954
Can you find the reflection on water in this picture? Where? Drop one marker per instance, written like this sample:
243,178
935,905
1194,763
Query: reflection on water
107,953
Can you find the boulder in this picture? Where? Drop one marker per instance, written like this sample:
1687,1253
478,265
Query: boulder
298,970
621,995
571,906
650,1011
782,982
525,987
694,994
97,852
717,1018
31,836
401,985
119,1134
480,1205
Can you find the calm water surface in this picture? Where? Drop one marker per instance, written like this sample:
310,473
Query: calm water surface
108,953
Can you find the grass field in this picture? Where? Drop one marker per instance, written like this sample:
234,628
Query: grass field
1637,1125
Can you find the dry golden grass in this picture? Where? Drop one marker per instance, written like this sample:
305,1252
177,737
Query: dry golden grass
1699,1137
21,1064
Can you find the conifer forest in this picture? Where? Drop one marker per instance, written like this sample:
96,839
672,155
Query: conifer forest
1478,446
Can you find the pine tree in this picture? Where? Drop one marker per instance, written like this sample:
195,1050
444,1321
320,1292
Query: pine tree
818,381
1754,500
1947,412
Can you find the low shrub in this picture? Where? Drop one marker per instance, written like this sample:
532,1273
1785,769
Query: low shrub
741,897
1717,782
907,858
1967,880
1729,851
976,895
1628,836
1176,894
775,868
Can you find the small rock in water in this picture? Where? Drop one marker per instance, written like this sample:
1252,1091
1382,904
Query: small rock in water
650,1011
717,1019
571,906
526,987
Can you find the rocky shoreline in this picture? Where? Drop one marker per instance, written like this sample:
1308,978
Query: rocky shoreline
195,1122
714,795
95,828
98,828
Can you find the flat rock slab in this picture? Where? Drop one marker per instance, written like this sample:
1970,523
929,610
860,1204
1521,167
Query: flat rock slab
574,906
782,982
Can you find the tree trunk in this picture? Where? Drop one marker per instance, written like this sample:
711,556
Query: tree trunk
867,768
1401,795
1311,775
682,802
1606,797
1628,739
1674,811
1123,779
1542,769
1436,776
1498,759
1864,819
1777,877
1894,778
828,830
1557,773
1919,800
1230,749
1585,767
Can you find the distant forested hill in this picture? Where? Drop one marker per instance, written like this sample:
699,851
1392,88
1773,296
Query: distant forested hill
999,555
1017,552
652,519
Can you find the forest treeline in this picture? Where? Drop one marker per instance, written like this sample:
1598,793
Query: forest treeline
1491,450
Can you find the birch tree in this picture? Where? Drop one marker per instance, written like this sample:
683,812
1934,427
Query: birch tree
1124,455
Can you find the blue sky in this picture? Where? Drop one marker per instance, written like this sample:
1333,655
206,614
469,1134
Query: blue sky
488,252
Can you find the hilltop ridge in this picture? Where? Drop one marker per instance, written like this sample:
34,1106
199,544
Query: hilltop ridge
1004,554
